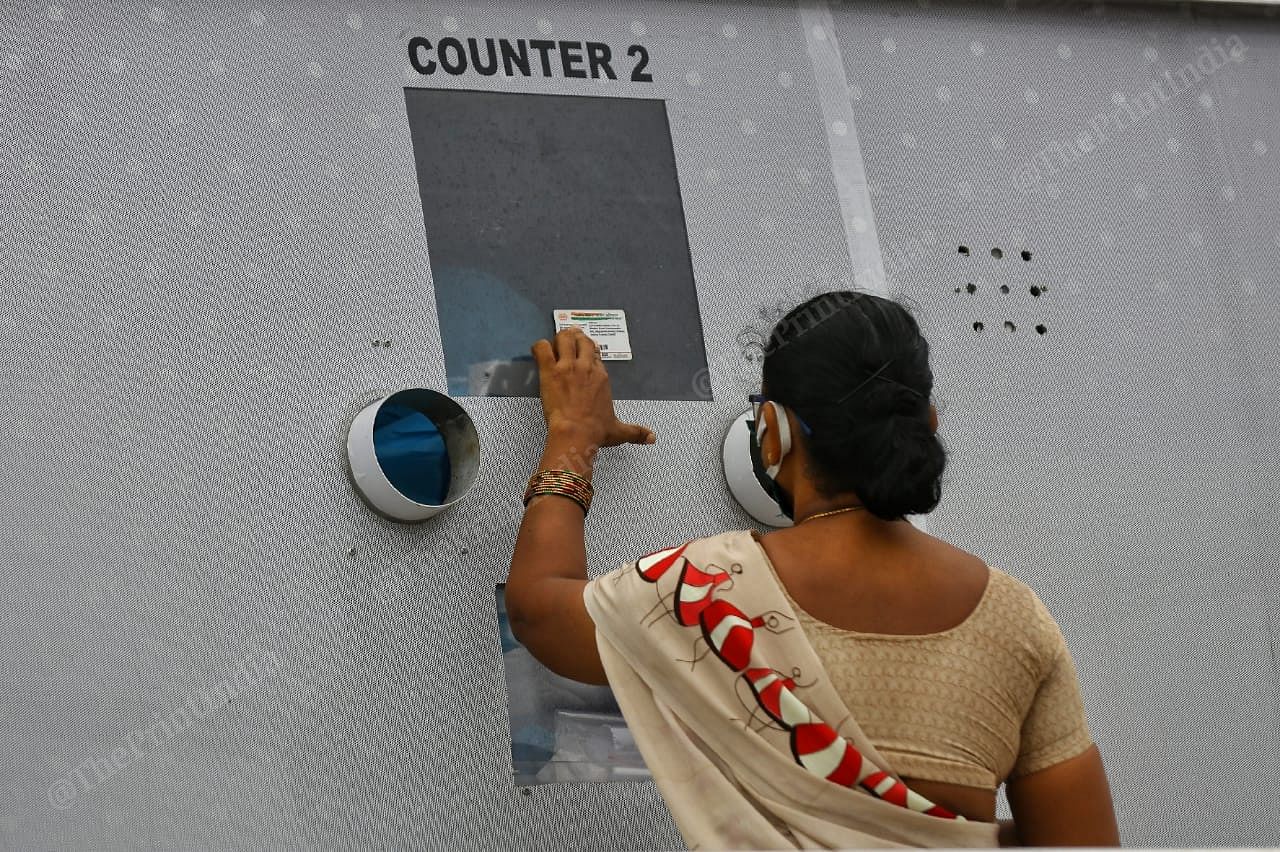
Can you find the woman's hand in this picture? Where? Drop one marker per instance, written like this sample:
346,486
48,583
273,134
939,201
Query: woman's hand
575,392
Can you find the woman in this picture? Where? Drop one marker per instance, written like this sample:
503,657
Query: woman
848,681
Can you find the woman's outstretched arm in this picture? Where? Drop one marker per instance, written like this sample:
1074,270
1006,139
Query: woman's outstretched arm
549,564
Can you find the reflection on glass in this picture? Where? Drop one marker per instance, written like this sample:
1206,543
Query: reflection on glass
562,730
486,327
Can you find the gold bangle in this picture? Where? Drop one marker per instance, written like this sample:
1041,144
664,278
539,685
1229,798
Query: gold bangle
562,477
564,483
559,482
583,502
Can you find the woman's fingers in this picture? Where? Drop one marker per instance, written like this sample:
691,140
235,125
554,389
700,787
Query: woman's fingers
578,388
543,354
567,344
588,351
633,433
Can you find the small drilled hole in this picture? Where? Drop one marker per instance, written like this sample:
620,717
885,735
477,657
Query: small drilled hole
1004,288
1042,329
1008,326
1035,291
977,326
996,253
964,250
1026,255
957,289
971,287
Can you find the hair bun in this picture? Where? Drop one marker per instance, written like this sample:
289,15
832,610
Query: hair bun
871,440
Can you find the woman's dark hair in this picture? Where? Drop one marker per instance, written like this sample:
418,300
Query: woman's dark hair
876,442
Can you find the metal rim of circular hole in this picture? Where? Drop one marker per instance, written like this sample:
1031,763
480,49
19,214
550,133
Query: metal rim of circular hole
1009,326
977,326
963,250
1004,288
997,253
384,497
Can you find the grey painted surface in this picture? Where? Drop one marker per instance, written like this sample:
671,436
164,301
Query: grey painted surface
213,212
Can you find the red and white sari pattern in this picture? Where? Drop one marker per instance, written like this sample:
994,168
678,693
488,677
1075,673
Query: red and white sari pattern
730,634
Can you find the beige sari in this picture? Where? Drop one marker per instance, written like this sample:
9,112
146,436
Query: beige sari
746,738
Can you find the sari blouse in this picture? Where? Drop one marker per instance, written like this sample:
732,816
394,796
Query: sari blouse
992,699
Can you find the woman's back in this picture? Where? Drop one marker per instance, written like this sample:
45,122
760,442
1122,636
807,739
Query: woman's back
827,441
940,658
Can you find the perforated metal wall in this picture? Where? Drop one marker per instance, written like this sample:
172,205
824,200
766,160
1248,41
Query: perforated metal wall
211,214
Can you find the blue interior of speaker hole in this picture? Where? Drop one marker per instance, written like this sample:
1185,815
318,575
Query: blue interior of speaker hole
412,453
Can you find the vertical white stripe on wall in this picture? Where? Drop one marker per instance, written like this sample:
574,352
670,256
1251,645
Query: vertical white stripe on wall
856,211
846,154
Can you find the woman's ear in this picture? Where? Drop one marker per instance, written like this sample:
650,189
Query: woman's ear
770,444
